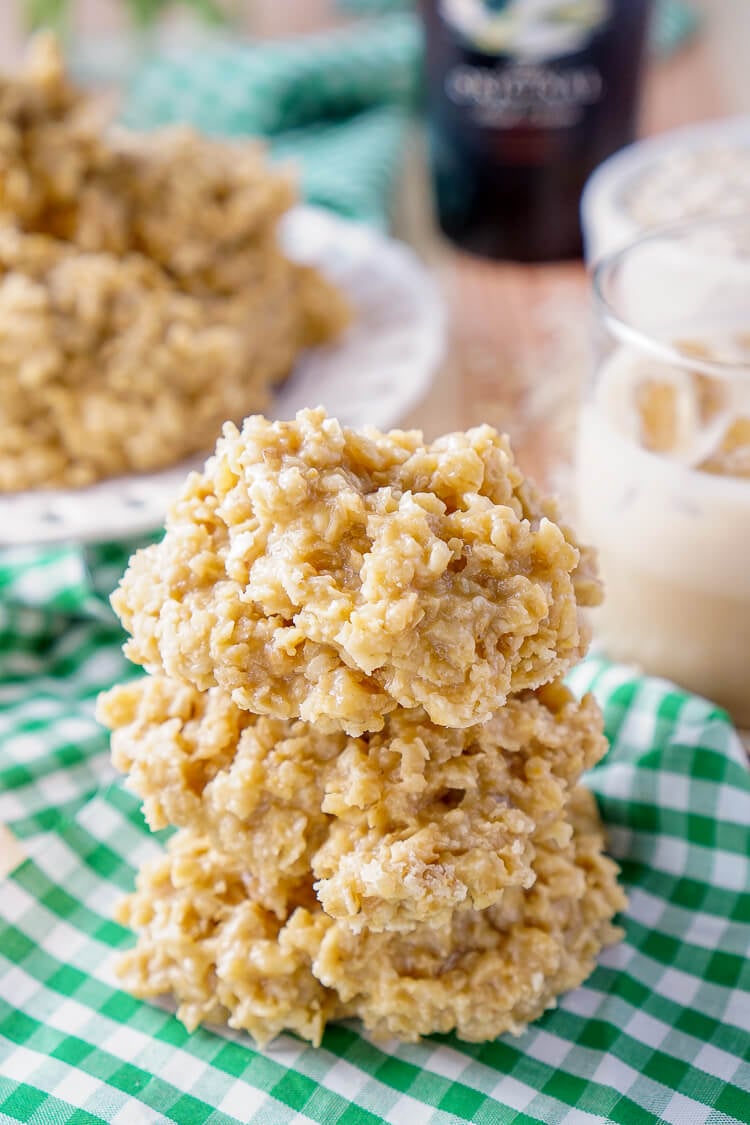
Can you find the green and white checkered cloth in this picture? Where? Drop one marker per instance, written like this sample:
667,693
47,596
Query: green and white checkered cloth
60,645
659,1033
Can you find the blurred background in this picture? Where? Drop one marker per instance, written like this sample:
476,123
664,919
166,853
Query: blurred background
517,334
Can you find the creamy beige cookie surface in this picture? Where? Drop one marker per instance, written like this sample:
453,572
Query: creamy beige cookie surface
399,827
203,209
332,574
203,939
106,368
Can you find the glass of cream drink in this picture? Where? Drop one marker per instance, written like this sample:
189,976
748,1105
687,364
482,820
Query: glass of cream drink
663,471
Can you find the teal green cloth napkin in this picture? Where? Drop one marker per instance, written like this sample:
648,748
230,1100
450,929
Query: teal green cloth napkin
675,23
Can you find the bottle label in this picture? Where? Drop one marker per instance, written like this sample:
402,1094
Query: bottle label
527,30
527,62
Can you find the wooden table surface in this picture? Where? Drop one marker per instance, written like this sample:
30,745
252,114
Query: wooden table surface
518,335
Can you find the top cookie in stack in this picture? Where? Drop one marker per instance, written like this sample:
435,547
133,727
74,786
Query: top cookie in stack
319,572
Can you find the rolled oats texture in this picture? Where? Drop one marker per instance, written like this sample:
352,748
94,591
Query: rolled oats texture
106,368
225,959
319,572
201,208
144,298
395,828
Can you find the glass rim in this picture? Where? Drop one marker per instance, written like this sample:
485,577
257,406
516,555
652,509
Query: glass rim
607,266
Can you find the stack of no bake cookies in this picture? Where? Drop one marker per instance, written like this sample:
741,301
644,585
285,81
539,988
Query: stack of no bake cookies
355,718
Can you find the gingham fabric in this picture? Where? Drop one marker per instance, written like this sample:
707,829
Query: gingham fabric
60,645
337,104
659,1033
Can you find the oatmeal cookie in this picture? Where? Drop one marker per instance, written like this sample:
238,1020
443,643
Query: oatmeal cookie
253,785
50,144
430,821
203,209
221,955
106,368
203,939
488,972
144,295
397,827
333,574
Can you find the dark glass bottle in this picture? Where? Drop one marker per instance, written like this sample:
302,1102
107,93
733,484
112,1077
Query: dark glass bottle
525,98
